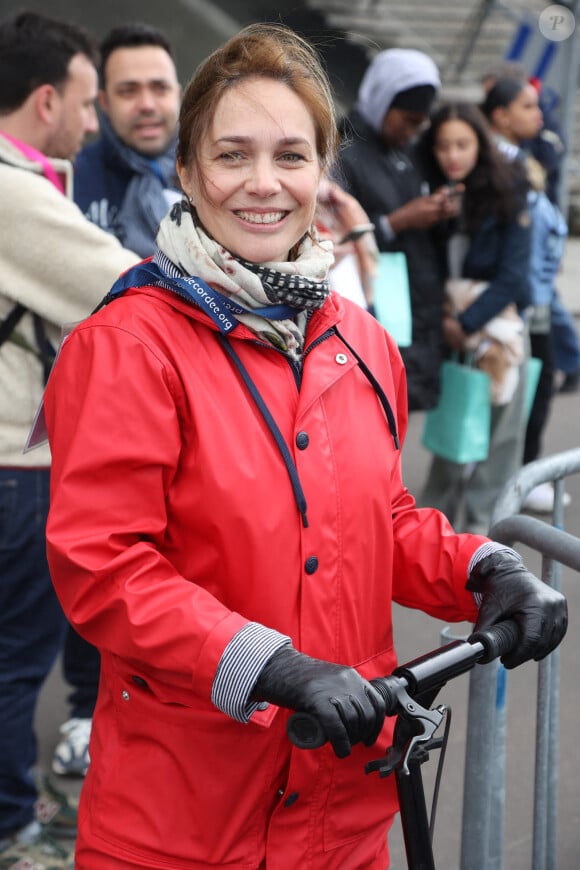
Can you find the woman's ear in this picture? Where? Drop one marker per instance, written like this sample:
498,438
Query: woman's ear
500,118
185,180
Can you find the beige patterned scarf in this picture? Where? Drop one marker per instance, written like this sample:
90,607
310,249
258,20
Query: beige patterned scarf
300,284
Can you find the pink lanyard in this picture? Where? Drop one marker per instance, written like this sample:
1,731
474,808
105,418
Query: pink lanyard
35,156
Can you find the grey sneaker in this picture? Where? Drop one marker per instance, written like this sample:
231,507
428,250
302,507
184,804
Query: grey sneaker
41,852
71,756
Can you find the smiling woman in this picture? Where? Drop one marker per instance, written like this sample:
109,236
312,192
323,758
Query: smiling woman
228,521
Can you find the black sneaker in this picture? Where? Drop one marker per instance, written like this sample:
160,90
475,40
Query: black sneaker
571,383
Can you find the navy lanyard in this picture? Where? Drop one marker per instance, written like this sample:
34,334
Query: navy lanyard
221,309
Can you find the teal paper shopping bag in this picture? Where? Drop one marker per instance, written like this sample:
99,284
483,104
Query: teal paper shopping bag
458,429
392,299
533,373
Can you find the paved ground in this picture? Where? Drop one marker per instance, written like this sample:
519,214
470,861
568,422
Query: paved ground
417,633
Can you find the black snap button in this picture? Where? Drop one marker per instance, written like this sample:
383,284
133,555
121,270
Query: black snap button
311,565
302,441
291,799
139,681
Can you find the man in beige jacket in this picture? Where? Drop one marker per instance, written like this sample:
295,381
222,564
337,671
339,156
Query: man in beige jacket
56,266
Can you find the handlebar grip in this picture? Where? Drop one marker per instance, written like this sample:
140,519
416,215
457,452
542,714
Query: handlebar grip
305,731
497,640
387,686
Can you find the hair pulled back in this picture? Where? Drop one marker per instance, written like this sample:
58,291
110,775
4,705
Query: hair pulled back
505,90
270,51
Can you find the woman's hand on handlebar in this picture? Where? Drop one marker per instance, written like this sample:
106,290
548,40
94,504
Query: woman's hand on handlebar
348,708
508,589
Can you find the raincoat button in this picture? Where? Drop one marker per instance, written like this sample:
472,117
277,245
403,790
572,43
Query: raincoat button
302,441
125,695
291,799
311,565
263,705
341,359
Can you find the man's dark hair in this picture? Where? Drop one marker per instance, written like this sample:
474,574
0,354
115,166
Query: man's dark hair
131,36
36,50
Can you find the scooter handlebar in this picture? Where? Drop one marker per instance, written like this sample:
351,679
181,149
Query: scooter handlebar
306,732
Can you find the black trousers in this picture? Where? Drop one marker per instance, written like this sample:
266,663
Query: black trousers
81,665
541,348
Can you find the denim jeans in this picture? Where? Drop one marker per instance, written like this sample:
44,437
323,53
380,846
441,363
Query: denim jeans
565,339
32,628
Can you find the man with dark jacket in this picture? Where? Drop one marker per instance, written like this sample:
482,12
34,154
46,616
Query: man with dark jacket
126,181
378,168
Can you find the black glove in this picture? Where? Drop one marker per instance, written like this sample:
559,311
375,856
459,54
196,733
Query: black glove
509,590
348,707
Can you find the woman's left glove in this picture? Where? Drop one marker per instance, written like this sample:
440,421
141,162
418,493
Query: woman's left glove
510,591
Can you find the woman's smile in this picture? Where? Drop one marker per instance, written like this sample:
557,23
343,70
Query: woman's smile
257,218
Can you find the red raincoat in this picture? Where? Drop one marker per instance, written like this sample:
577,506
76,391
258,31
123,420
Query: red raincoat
173,523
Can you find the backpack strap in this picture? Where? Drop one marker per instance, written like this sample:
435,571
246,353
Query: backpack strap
9,323
46,352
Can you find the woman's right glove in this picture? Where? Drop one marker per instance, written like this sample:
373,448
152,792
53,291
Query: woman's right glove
348,707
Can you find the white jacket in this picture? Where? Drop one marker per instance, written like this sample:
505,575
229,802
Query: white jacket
55,263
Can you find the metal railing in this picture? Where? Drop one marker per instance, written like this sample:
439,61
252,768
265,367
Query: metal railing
484,787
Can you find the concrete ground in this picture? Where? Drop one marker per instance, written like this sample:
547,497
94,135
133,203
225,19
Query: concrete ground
417,633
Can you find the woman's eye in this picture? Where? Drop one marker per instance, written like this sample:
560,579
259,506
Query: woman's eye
230,156
292,157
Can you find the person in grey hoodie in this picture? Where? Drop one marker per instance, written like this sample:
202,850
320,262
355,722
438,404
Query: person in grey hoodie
379,167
